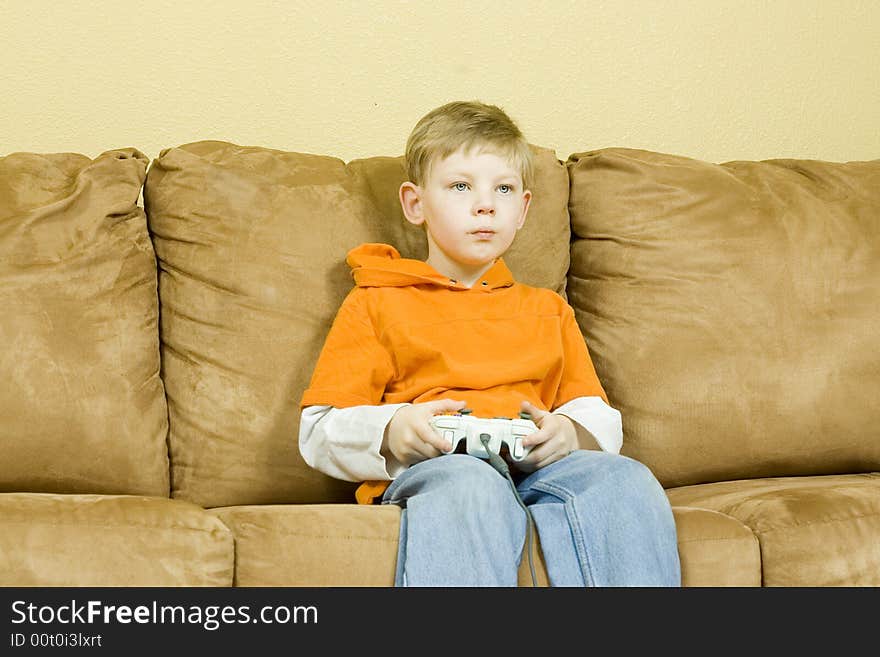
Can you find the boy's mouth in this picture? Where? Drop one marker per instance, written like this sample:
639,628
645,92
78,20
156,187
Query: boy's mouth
483,232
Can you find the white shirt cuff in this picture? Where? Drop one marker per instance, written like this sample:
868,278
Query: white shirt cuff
597,417
345,443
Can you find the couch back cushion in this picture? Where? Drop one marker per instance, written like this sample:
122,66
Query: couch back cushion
252,244
82,407
733,310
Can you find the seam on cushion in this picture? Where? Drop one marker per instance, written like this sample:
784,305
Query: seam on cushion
815,522
31,523
716,540
387,539
861,479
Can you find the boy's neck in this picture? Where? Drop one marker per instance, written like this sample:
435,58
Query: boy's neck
467,276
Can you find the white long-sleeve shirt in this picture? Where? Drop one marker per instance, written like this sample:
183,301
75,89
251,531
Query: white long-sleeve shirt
345,443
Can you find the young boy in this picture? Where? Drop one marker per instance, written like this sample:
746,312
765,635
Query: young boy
416,339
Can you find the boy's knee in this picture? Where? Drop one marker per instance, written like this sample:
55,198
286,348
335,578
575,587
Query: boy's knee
622,473
639,481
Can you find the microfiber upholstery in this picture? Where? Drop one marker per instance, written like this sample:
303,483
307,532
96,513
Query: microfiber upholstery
313,544
352,545
715,549
111,540
82,405
732,310
812,531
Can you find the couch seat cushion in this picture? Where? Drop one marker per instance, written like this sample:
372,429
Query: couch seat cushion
313,544
353,545
324,545
110,540
813,531
715,549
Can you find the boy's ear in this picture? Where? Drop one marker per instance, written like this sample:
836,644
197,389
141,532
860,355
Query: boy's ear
411,202
527,199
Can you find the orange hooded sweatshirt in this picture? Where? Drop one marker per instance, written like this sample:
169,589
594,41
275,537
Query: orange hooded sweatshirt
406,333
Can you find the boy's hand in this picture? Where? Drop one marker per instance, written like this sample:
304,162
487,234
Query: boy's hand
410,438
555,439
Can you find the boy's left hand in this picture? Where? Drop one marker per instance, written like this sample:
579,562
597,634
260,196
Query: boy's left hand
555,439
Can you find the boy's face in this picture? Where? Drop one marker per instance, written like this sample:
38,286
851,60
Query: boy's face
472,204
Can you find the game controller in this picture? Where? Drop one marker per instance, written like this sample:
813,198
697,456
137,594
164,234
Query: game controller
496,431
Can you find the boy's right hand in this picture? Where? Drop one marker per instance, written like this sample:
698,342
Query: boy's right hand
410,438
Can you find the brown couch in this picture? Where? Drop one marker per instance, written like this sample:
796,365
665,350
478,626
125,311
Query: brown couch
153,356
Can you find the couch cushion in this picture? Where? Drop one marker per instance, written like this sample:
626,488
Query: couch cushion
324,545
82,407
252,244
813,531
110,540
313,544
732,310
355,545
715,549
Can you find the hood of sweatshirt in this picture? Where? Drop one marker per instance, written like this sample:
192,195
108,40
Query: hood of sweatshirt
380,265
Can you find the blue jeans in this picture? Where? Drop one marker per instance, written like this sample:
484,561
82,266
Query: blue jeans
603,520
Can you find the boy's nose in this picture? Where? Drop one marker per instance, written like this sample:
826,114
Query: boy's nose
484,207
484,202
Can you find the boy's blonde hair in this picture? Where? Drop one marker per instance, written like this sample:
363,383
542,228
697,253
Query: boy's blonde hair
442,131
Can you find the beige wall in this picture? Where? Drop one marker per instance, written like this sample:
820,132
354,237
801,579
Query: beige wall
708,79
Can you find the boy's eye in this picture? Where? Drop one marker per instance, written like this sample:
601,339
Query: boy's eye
459,186
506,189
